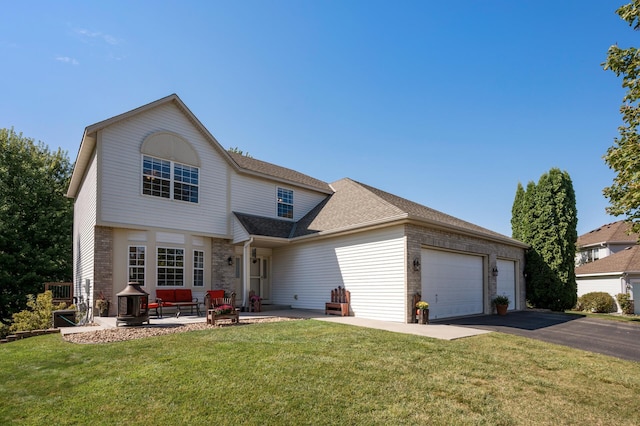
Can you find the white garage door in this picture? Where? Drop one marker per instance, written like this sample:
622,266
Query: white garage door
452,283
507,281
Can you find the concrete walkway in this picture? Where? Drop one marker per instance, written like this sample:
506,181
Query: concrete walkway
436,331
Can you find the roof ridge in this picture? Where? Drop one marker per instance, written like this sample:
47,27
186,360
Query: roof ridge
373,190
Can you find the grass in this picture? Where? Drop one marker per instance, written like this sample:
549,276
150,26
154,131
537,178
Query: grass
315,373
611,317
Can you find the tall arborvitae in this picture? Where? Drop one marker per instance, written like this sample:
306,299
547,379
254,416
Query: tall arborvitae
517,212
547,221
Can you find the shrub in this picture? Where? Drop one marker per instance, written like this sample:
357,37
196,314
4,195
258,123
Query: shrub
39,316
4,331
626,304
597,301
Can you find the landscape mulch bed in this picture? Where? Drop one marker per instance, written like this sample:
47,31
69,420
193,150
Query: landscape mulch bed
120,334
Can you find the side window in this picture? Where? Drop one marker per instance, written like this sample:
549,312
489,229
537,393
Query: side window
198,268
285,203
136,264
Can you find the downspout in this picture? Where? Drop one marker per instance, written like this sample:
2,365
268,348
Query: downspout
246,255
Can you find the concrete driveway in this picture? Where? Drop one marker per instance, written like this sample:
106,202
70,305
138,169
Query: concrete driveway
614,338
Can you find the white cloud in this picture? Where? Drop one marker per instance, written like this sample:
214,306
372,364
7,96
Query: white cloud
67,60
107,38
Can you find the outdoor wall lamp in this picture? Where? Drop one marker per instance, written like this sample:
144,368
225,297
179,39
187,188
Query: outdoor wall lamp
416,264
494,271
230,260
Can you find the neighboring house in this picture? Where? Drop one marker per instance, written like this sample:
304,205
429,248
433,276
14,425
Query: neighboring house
609,261
159,201
604,241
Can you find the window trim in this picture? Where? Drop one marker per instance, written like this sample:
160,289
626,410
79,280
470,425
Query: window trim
144,263
172,179
280,201
158,248
196,268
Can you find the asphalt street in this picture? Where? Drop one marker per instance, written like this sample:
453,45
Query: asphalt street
614,338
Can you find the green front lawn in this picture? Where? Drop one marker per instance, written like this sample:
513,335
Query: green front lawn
315,373
612,317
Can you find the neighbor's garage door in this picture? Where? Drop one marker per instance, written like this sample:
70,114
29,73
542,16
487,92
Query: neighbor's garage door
507,281
452,283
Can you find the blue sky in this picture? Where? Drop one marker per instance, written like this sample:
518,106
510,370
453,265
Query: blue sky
449,104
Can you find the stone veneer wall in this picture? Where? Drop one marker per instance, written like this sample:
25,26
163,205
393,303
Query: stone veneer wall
420,237
223,274
103,266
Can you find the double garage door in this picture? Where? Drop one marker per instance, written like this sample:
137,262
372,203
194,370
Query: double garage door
453,283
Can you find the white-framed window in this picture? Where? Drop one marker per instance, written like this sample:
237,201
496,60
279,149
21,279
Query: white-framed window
170,267
285,203
198,268
168,179
137,264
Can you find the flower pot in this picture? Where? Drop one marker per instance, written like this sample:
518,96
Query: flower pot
423,316
502,309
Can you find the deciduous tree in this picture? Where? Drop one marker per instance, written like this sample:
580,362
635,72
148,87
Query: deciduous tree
624,156
35,220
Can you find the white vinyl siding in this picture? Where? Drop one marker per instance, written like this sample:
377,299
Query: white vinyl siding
258,196
239,233
121,170
608,284
370,265
507,281
84,221
611,285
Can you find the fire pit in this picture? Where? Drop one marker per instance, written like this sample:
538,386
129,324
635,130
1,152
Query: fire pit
133,305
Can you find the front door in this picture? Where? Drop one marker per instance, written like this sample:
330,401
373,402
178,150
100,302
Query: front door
259,277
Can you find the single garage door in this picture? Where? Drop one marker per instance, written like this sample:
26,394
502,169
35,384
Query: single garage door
507,281
452,283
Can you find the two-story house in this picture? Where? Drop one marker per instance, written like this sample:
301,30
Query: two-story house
608,260
159,201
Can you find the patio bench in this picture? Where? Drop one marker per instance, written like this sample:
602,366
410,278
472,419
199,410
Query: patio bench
340,302
220,307
176,298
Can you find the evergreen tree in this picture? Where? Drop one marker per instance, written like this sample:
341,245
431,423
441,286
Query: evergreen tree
35,220
517,212
548,223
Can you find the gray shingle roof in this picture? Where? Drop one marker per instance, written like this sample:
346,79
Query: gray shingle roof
616,232
356,205
627,260
282,173
265,226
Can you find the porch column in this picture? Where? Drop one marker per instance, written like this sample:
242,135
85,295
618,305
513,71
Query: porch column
246,279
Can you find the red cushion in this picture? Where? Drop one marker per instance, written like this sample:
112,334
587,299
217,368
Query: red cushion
224,307
166,295
215,294
183,295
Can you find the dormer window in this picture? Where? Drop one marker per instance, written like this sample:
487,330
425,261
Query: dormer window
168,179
285,203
